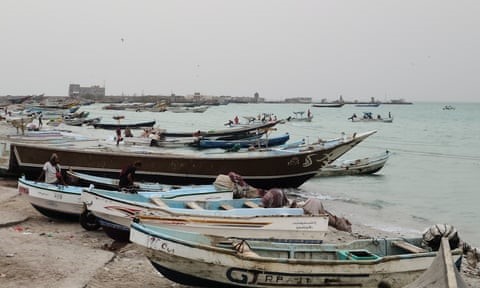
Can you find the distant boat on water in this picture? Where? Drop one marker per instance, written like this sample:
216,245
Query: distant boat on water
448,107
367,105
328,105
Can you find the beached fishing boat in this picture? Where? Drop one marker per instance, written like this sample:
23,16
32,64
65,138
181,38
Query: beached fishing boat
244,143
113,126
215,215
52,200
361,166
443,272
62,201
262,168
209,261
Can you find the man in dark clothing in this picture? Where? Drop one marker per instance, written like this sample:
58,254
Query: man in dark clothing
127,175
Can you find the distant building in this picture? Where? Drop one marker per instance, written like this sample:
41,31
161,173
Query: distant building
75,90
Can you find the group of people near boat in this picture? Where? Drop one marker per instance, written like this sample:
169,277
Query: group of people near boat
52,173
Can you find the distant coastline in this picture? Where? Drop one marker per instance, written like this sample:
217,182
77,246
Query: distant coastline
197,99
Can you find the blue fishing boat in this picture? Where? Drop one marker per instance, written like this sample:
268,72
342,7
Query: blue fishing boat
244,143
215,216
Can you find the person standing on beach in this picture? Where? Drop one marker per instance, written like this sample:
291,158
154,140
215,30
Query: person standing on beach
52,171
127,176
119,135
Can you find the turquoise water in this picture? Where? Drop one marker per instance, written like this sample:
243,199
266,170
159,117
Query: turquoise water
432,176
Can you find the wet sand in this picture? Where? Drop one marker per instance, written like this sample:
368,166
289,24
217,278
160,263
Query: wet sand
36,251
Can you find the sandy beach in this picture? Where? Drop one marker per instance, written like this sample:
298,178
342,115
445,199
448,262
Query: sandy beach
36,251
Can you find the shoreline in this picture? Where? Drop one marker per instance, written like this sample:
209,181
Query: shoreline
37,251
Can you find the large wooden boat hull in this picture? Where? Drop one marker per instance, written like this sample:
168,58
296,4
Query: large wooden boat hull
261,169
201,260
113,126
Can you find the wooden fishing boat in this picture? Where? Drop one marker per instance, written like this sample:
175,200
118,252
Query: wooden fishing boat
300,117
244,143
443,272
361,166
203,260
186,109
328,105
215,215
239,130
113,126
263,168
55,201
367,104
368,117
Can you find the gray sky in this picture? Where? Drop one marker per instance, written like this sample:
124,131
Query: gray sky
412,49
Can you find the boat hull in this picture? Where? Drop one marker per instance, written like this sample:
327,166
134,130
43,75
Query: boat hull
115,212
55,201
268,169
355,167
217,267
113,126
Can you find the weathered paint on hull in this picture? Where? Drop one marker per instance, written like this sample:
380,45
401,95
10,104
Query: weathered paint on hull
264,170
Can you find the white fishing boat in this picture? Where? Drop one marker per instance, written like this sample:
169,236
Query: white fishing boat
208,261
361,166
212,212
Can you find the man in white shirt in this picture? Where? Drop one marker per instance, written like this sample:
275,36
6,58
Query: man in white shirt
52,171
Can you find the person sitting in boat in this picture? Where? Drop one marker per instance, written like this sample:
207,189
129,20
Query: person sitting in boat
127,176
379,117
128,132
52,171
273,198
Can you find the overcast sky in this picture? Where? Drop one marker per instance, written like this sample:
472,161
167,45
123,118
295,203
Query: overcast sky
412,49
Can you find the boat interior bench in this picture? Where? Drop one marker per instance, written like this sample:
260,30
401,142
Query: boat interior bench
250,204
408,246
159,202
226,207
193,205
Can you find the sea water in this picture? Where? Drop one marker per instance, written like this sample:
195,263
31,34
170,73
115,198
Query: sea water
432,176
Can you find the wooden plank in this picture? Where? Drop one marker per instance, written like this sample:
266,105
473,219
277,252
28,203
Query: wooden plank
193,205
226,206
409,247
159,202
250,204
